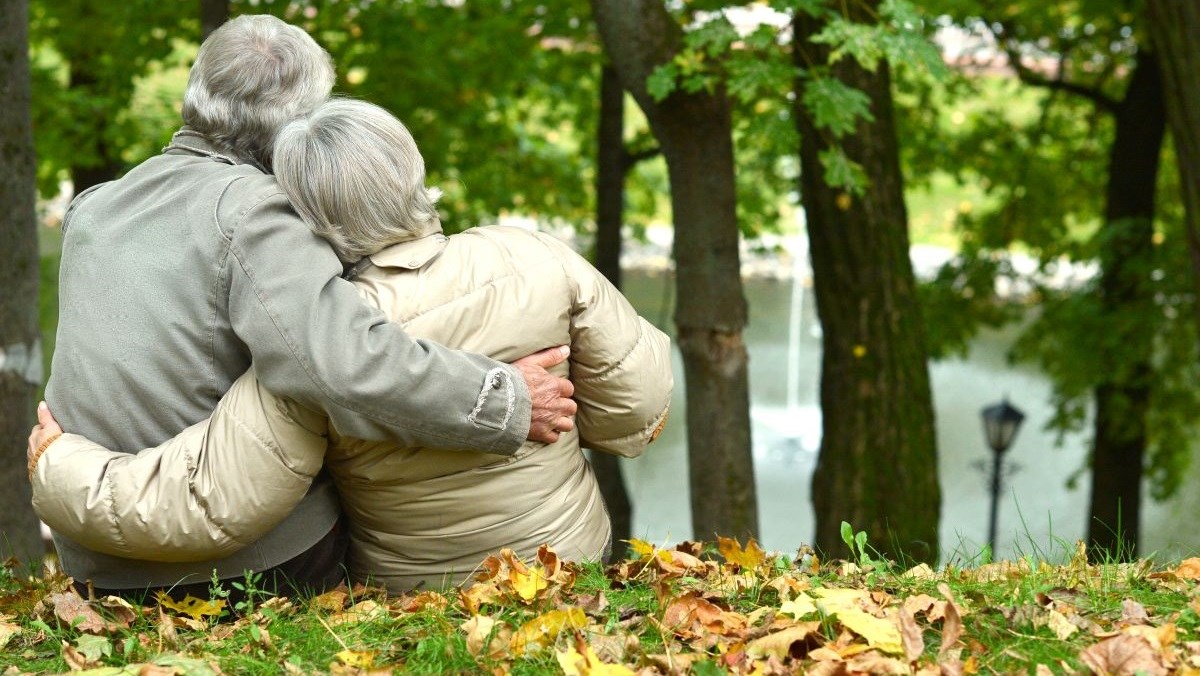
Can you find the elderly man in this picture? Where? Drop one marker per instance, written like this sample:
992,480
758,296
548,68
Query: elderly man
178,275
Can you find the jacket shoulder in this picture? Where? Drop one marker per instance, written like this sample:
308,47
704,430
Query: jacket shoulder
246,190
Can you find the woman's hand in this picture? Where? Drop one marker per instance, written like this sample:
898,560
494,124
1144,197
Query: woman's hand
44,433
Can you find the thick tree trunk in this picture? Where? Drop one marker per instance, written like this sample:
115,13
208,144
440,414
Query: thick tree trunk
213,13
1174,25
877,467
610,205
695,134
611,165
20,362
1126,258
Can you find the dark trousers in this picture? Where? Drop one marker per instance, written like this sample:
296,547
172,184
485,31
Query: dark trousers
315,570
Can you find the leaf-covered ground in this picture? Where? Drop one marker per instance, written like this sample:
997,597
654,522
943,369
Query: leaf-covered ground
697,608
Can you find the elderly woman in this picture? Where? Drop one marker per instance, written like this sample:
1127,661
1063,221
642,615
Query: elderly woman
418,516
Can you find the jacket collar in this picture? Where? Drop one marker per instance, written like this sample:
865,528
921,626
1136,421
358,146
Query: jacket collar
189,140
411,254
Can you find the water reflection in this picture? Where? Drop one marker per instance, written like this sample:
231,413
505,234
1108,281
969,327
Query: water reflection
1039,513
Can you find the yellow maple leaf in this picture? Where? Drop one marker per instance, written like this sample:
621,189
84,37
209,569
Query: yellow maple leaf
363,659
542,630
829,599
192,606
528,584
881,634
574,663
749,557
799,606
640,547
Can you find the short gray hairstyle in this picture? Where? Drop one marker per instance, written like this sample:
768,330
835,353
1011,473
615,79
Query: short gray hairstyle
354,174
252,76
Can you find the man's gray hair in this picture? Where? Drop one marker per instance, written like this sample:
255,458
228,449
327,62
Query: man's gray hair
252,76
354,174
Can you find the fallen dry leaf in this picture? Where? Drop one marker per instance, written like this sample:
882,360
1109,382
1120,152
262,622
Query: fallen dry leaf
880,633
362,611
7,631
1133,612
798,607
363,659
1189,569
70,608
921,571
581,660
1060,625
486,637
874,663
191,606
779,644
429,600
787,585
1124,654
952,627
331,601
545,629
75,659
690,616
911,636
750,557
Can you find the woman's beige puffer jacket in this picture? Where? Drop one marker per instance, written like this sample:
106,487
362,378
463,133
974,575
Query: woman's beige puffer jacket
417,516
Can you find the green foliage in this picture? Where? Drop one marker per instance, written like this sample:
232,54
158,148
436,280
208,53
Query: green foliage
1041,156
835,106
90,65
501,103
843,172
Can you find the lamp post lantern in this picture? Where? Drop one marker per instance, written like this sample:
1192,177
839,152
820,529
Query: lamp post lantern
1000,425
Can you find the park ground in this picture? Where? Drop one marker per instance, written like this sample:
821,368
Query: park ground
698,608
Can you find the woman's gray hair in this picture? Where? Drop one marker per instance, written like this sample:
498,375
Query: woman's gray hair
252,76
354,174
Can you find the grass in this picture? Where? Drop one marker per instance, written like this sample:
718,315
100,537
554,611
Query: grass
704,609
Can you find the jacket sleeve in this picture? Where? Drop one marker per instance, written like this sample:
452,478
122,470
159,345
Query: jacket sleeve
620,363
314,340
213,489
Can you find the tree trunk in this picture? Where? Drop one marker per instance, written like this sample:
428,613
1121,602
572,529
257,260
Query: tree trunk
213,13
1174,25
610,205
1126,259
20,362
877,467
695,134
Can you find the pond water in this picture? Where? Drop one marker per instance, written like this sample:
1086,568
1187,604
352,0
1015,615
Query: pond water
1039,514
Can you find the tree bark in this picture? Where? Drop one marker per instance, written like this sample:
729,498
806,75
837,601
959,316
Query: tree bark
694,132
877,466
20,365
610,205
213,13
1126,259
1174,25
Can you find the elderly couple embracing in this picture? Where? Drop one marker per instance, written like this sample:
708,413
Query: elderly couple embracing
271,359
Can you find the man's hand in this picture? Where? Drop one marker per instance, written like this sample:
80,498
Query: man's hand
553,408
44,433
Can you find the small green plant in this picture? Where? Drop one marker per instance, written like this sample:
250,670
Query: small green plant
857,542
249,587
216,590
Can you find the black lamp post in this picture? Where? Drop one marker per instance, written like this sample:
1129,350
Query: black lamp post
1000,424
